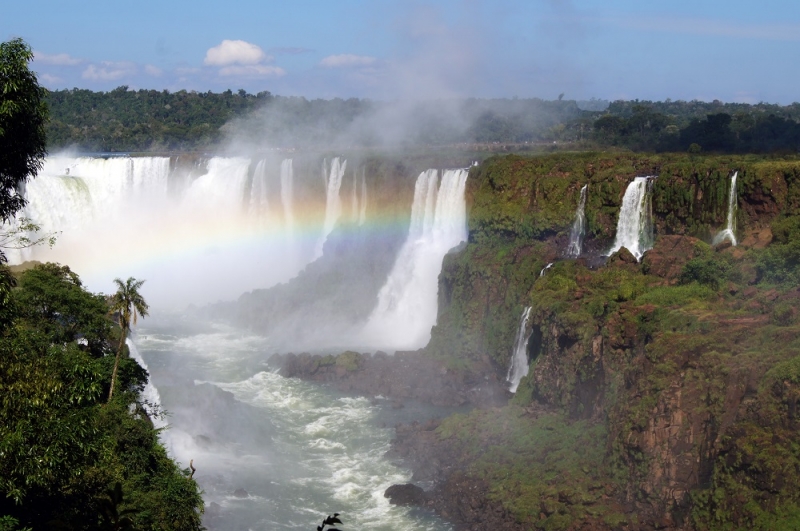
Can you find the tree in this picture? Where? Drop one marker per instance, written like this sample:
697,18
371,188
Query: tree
23,114
128,304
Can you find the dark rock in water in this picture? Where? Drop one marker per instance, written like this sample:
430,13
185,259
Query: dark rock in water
724,244
402,376
240,493
407,494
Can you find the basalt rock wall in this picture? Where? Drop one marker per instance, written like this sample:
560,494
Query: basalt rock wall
685,363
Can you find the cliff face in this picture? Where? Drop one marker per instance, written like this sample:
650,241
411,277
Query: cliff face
684,368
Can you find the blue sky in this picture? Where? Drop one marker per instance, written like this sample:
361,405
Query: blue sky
738,50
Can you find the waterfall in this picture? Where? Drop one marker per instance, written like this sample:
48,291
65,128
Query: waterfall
544,269
362,215
333,204
407,303
635,225
259,200
354,199
177,224
578,230
287,195
730,229
519,358
151,399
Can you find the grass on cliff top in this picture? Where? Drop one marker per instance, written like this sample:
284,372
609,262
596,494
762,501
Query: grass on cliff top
547,471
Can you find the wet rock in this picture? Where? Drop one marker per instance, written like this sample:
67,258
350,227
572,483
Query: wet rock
408,494
757,239
399,377
723,245
240,493
622,257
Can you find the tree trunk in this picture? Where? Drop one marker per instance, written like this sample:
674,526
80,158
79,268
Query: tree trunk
116,363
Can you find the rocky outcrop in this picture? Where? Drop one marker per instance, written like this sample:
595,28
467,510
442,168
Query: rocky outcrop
400,377
670,253
678,359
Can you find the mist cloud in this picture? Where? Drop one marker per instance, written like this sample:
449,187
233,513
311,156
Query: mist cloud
346,60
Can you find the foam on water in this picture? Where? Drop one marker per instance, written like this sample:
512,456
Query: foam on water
299,450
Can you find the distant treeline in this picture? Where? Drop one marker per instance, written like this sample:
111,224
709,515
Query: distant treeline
150,120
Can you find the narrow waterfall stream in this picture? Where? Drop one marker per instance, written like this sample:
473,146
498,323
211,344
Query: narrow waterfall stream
578,231
519,359
729,233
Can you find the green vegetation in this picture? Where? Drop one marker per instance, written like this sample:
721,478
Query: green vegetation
63,447
139,120
67,459
668,388
128,304
23,114
544,469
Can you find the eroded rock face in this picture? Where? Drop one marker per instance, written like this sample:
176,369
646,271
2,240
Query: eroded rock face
670,253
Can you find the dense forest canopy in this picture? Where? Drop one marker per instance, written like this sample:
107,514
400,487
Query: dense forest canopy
150,120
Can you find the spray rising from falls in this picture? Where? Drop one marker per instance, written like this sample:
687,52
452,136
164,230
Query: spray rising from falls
149,396
519,358
578,230
635,225
174,222
333,205
730,229
407,303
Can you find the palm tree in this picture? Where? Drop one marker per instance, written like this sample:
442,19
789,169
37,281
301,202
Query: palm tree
128,304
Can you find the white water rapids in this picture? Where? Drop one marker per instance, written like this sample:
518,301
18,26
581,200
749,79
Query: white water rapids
272,452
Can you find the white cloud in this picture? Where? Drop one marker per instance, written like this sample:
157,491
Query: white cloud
108,71
253,71
60,59
47,79
235,52
346,60
153,71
